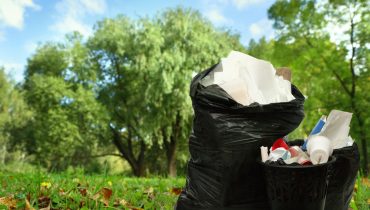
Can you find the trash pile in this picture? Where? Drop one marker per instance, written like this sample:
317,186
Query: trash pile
328,134
243,110
247,80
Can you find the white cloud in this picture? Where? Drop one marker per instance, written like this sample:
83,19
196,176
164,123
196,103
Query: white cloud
95,6
15,70
239,4
70,24
71,15
12,12
216,17
30,47
261,28
242,4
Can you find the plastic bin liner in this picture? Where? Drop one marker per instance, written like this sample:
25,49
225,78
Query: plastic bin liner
343,178
222,172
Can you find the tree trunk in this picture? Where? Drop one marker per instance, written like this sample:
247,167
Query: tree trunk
138,170
353,97
171,159
137,164
170,144
365,164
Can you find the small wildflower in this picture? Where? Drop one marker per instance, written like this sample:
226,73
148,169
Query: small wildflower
46,184
109,183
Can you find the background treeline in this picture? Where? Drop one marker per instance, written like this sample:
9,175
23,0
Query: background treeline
123,91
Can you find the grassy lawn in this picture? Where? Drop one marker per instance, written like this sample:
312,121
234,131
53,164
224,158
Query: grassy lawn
76,191
66,191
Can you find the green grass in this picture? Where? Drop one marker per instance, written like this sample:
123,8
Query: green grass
361,194
77,191
67,191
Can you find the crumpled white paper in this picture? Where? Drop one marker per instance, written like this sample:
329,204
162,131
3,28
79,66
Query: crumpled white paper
337,128
247,80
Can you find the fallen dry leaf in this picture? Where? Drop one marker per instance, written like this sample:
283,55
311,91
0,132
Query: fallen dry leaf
366,181
46,208
105,193
9,202
82,203
28,206
176,191
62,192
83,191
44,203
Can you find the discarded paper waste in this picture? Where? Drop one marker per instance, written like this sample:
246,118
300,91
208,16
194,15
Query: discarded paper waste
242,113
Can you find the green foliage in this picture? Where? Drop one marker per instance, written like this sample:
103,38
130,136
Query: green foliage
145,68
68,122
331,71
13,113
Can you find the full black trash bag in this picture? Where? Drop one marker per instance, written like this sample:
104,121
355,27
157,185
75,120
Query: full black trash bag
343,178
222,172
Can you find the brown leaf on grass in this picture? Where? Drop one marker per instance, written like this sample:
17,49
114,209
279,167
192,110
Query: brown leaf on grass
46,208
105,193
83,191
82,204
28,205
9,202
366,182
176,191
62,192
44,202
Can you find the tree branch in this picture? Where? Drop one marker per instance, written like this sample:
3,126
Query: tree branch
341,81
353,54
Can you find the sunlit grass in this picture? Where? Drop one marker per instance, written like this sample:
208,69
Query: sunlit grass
78,191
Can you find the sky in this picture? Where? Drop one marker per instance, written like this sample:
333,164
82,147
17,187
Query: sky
25,24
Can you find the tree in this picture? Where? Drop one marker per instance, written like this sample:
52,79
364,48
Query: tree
145,70
13,112
337,68
68,120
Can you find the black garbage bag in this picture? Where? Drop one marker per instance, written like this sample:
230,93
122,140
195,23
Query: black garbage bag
343,178
222,172
297,187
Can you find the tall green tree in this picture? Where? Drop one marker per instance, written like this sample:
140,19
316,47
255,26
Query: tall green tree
145,70
333,71
68,121
14,112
